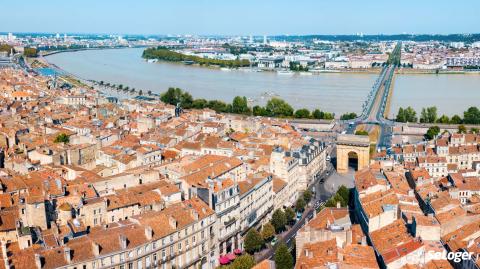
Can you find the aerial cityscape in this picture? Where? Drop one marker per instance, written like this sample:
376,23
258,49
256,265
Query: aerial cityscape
245,135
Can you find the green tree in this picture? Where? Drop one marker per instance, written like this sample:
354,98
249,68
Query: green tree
290,215
456,119
30,52
149,92
277,107
344,192
401,116
432,132
300,204
471,116
302,113
268,231
361,132
283,257
409,115
428,115
253,241
318,114
474,130
307,195
176,96
243,262
217,105
240,105
462,129
199,103
332,202
348,116
278,220
62,138
140,92
259,111
443,119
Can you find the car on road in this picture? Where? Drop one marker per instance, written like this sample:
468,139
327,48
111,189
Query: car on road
299,216
274,241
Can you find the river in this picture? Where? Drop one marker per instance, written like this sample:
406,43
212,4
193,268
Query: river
333,92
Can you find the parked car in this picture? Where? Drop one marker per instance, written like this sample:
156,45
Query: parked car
273,242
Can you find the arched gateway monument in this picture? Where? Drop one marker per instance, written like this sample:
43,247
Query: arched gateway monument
348,145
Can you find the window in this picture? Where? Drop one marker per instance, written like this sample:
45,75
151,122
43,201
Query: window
139,264
179,246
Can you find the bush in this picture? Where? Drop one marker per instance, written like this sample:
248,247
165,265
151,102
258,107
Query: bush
62,138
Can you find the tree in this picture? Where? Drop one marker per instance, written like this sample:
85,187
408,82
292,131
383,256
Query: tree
268,231
240,105
278,220
471,116
253,241
428,115
243,262
62,138
140,92
277,107
149,92
217,105
406,115
283,257
30,52
317,114
474,130
348,116
199,103
361,132
432,132
300,204
120,86
443,119
307,195
456,119
344,192
302,113
462,129
290,215
401,115
259,111
176,96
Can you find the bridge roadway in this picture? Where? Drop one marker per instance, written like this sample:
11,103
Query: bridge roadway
374,108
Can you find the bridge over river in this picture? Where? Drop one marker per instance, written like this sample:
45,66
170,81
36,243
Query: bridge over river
376,105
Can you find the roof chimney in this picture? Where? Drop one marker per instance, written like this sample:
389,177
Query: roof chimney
95,249
364,240
148,232
38,261
68,254
340,256
349,237
172,222
123,241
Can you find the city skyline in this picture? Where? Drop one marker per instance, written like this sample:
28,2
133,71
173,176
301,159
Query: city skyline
266,18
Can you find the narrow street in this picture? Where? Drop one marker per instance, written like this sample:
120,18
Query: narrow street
325,185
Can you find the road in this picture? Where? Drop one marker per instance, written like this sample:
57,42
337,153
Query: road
374,108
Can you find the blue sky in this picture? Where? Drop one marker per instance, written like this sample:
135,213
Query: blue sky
242,17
